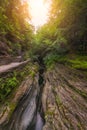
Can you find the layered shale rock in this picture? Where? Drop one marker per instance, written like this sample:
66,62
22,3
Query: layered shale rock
65,99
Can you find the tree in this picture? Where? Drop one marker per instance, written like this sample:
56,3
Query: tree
15,29
70,16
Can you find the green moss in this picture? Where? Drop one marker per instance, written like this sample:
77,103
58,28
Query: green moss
32,73
79,126
6,86
78,64
75,61
12,107
49,115
58,101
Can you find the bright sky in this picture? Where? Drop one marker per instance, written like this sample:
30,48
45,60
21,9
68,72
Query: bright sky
39,12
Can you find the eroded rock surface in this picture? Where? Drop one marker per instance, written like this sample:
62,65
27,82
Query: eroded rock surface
65,100
25,112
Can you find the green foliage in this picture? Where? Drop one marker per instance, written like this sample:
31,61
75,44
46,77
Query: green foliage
64,32
51,59
79,62
47,41
14,26
11,81
7,86
74,61
32,73
69,16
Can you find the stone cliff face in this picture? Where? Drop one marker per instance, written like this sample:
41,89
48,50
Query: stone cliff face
65,100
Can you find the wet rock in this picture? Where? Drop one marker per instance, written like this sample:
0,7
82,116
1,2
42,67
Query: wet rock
25,111
39,122
24,114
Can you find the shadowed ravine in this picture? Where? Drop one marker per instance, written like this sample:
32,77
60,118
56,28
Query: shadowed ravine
59,95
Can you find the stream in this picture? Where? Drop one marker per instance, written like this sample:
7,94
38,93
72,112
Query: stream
29,115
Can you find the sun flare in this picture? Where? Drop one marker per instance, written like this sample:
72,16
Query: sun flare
39,12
